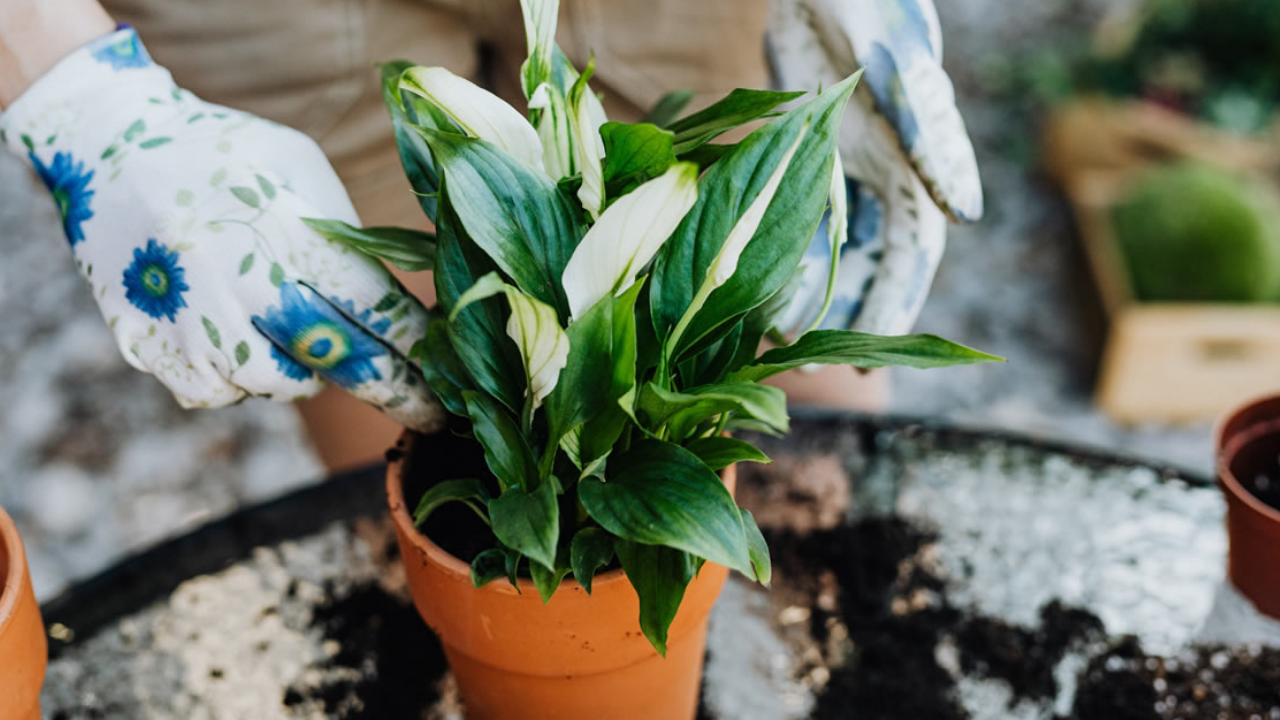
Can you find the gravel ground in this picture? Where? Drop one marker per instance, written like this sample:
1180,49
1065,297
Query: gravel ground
98,461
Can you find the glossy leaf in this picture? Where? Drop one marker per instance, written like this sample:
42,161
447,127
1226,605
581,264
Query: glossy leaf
659,576
721,452
658,493
528,522
505,450
411,250
522,221
758,549
468,491
863,350
547,580
633,155
668,107
443,370
415,157
586,118
684,410
591,550
488,566
737,108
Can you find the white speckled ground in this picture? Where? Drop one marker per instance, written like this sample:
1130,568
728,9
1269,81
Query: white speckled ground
96,460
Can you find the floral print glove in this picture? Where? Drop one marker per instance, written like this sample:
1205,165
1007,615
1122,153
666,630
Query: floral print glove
185,218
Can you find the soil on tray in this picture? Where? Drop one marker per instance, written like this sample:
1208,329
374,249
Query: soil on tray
395,661
1256,463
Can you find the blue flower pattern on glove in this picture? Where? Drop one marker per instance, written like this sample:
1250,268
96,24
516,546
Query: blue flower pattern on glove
317,335
127,52
154,282
68,182
289,367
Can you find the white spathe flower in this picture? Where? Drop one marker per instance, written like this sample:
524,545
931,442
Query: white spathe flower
540,17
479,113
535,328
627,236
555,130
586,115
838,223
726,262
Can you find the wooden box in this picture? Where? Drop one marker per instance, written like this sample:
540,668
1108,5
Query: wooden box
1163,362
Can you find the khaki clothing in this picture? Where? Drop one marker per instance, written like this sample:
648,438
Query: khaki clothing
310,64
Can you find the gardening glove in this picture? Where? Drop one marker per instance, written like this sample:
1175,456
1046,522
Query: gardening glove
908,163
185,219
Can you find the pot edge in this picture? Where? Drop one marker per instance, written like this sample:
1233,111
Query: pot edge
1227,480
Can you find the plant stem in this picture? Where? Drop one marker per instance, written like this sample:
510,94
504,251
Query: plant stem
831,291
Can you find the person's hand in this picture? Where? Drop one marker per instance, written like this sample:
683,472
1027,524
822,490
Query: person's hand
185,218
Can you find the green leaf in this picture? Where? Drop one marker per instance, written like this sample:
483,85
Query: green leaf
469,491
758,549
863,350
242,353
784,232
215,337
277,274
668,107
137,128
246,195
415,156
738,107
478,332
721,452
155,142
547,580
662,494
490,565
704,156
519,217
268,187
591,550
660,576
411,250
443,370
634,154
528,522
505,450
684,410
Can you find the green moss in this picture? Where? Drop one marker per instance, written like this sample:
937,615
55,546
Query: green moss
1196,233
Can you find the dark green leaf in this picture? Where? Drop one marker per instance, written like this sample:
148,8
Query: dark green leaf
547,580
684,410
516,215
528,522
764,317
466,490
658,493
721,452
863,350
758,549
725,193
268,187
704,156
411,250
246,263
668,107
738,107
215,337
634,154
488,566
505,450
592,549
415,156
242,353
478,333
444,372
660,576
246,195
277,274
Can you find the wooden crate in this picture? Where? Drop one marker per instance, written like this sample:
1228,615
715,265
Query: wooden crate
1163,362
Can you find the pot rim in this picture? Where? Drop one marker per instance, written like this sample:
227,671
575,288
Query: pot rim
455,565
11,583
1226,479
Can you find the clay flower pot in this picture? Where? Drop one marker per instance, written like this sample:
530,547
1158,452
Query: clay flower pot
578,656
1247,444
23,653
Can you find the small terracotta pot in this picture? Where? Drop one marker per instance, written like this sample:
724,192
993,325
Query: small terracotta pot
578,656
23,653
1253,527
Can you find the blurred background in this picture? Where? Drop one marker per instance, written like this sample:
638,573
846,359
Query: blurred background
1128,266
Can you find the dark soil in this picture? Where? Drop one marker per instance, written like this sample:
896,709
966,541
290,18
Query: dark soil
397,659
448,456
1255,462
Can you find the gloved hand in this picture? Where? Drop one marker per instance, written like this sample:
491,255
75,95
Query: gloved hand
185,219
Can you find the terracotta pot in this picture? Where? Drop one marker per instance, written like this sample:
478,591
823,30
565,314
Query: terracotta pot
1253,527
23,653
578,656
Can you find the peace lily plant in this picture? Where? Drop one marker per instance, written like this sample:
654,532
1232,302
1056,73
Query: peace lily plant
603,290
